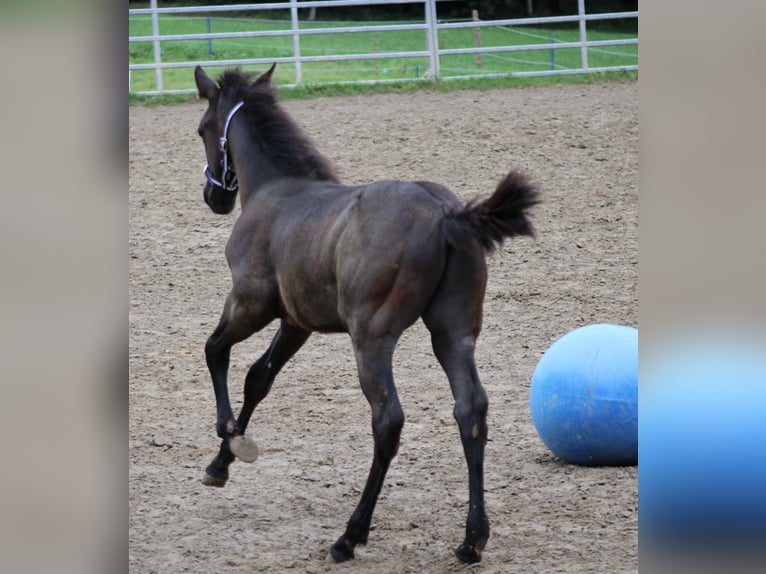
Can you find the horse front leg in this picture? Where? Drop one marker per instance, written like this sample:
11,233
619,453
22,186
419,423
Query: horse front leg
258,382
237,322
376,378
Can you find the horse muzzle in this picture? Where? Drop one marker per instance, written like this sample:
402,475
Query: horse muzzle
218,199
220,195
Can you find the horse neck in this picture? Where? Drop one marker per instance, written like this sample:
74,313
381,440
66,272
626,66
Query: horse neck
254,168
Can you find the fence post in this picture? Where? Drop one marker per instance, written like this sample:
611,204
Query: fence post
553,54
296,41
583,34
477,37
209,40
157,53
433,39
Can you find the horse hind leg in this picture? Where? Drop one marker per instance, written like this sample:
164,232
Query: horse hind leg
376,378
471,404
258,382
454,319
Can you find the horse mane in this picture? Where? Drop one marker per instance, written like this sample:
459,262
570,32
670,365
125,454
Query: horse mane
281,138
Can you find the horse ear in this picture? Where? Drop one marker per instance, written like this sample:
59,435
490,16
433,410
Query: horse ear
206,87
266,76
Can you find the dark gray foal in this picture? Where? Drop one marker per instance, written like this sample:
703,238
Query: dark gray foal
366,260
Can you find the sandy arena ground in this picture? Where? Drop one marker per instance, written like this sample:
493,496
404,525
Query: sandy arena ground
282,513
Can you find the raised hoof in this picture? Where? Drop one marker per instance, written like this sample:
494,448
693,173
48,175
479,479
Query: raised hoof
342,550
244,448
208,480
467,554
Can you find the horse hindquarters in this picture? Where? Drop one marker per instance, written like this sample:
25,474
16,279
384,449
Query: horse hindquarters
454,317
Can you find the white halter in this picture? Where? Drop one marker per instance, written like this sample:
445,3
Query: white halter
229,178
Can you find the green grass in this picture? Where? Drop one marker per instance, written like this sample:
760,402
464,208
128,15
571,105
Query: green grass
356,43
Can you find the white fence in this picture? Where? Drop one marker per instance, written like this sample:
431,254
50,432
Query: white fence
430,25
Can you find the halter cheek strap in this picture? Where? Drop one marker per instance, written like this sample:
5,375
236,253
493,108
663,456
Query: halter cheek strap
229,178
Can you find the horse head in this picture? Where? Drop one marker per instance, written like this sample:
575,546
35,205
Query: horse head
221,188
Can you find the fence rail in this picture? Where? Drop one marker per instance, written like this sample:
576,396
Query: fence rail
431,27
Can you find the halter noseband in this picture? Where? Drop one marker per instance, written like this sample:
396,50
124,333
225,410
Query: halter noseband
229,178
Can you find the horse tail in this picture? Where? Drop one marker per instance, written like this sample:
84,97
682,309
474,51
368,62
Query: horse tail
503,214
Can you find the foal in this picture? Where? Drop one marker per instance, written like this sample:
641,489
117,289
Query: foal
365,260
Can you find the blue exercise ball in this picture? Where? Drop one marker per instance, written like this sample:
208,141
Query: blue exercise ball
584,396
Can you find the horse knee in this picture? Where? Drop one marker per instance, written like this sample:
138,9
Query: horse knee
480,400
471,413
396,421
257,382
210,346
387,430
474,405
213,346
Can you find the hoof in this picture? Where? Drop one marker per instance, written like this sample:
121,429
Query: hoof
467,554
342,550
215,474
244,448
208,480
